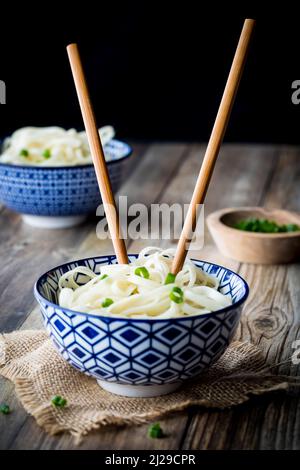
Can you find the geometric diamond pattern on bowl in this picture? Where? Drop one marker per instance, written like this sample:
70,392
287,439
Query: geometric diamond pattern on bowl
140,352
59,191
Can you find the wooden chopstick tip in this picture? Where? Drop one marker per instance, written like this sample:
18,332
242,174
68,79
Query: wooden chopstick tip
72,46
250,22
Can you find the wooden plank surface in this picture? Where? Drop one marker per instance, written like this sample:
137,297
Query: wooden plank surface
271,320
244,175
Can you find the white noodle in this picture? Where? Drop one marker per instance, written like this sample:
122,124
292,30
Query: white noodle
138,297
50,146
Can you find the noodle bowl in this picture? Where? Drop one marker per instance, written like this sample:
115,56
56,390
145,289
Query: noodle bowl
141,354
47,174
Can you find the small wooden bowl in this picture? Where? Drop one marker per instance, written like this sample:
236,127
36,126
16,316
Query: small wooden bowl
253,247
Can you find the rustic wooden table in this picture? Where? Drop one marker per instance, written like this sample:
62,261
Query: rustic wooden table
244,175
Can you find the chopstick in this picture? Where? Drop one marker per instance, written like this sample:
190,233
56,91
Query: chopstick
97,154
214,144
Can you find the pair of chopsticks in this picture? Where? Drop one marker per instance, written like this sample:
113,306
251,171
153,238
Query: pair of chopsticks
208,163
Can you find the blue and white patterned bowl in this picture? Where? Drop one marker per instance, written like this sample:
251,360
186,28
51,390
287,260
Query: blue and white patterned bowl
55,197
140,357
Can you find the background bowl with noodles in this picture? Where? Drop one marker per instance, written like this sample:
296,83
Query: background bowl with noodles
56,197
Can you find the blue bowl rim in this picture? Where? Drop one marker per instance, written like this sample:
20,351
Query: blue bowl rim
40,297
73,167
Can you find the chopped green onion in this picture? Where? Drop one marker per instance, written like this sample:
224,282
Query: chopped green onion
59,401
46,153
107,302
4,409
142,272
264,226
24,153
155,431
104,276
176,295
292,227
170,279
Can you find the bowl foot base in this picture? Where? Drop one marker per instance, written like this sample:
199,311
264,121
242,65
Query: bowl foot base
53,222
138,391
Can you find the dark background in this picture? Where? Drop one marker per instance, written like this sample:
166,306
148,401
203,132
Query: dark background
156,70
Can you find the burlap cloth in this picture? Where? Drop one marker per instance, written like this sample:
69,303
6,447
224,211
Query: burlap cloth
29,360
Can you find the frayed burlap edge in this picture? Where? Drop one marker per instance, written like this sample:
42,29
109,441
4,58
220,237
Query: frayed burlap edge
46,418
52,419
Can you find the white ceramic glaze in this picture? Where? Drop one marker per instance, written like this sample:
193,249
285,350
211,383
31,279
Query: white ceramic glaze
49,222
138,391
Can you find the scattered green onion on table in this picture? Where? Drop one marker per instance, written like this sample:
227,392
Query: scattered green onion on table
155,431
4,409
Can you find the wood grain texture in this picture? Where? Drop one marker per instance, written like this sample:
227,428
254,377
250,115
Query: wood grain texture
243,175
23,433
271,319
